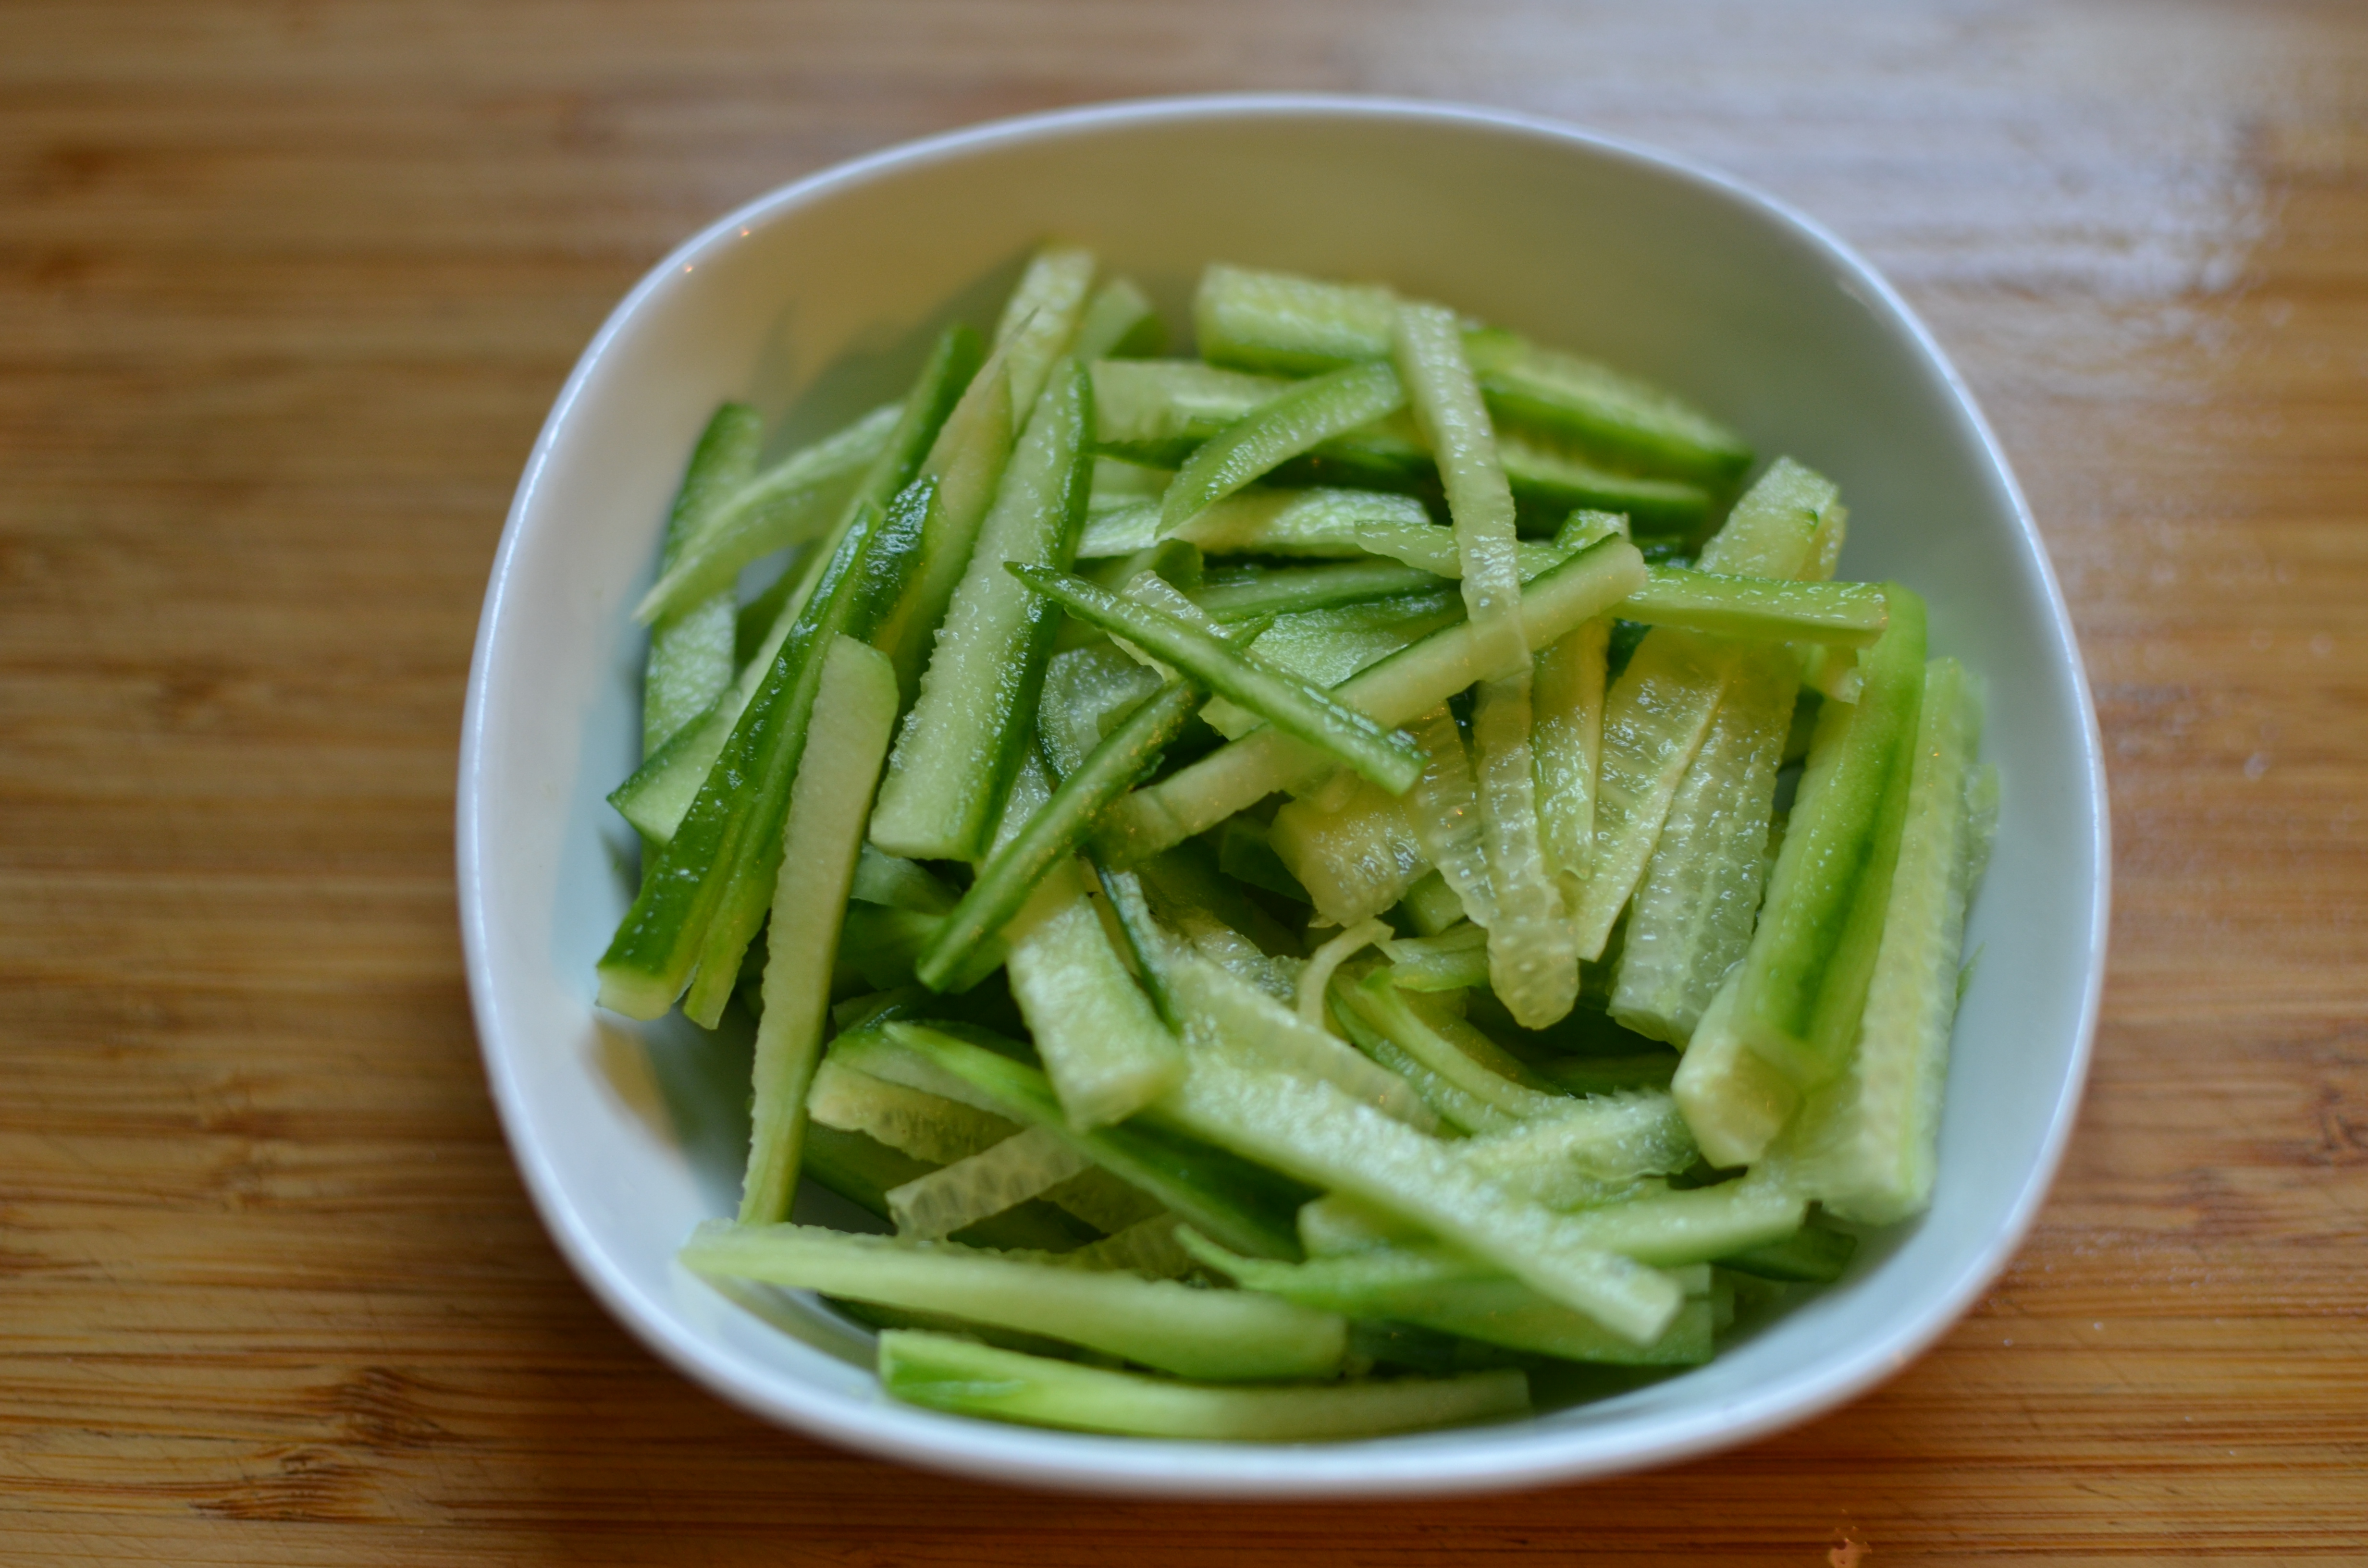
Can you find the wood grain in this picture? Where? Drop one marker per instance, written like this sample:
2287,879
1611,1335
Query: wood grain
285,290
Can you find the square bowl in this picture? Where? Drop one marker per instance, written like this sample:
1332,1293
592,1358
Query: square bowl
817,300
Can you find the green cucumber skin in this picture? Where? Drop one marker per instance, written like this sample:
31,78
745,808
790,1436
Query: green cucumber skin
690,652
1243,1205
1846,615
661,790
1279,322
861,1170
855,712
961,747
718,867
1402,687
1291,705
882,579
1229,1335
1803,968
942,1372
1301,417
1386,454
1055,833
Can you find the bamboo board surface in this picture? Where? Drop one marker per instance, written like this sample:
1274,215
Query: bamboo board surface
285,292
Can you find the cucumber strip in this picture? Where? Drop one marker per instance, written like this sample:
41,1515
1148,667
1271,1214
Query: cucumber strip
1445,1016
1245,854
969,1379
1325,647
1571,1158
1085,691
1380,1004
1186,880
1735,1102
898,884
1270,320
1394,691
1315,1132
658,795
1041,318
1237,1202
1023,1167
1277,430
1340,1226
1804,977
1103,1201
861,1171
1455,1106
890,565
1454,961
788,504
1431,905
1147,1248
1222,1014
1814,1255
1866,1146
1292,706
1654,720
720,866
1657,1226
1421,545
1831,672
1230,950
1444,809
1316,523
1355,860
690,652
1848,615
1435,1288
854,711
1670,1228
925,1126
660,791
882,945
1566,733
1279,322
1532,958
1446,402
1627,419
1118,323
1546,474
1140,940
1052,834
1788,525
1243,594
967,461
1209,1334
960,745
1315,980
1694,907
1103,1045
1156,411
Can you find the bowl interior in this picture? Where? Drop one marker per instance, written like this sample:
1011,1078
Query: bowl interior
816,302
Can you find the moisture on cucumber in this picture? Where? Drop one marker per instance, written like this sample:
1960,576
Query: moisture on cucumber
1266,877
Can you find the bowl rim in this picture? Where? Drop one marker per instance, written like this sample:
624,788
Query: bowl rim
1489,1458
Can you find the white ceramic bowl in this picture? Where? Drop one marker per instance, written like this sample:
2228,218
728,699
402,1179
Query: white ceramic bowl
818,299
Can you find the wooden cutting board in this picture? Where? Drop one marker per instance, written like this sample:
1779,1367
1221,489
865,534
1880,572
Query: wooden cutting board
285,291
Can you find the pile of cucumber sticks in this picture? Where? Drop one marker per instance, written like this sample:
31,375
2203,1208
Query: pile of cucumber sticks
1313,887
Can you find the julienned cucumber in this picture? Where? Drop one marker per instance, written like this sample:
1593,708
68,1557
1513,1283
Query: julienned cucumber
1162,954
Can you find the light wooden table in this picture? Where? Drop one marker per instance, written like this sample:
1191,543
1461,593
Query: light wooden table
285,290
